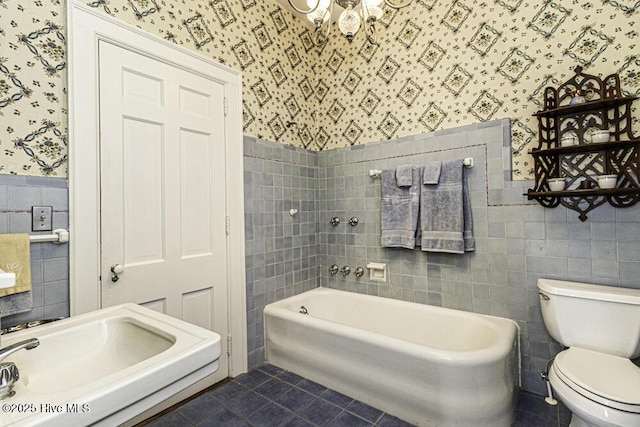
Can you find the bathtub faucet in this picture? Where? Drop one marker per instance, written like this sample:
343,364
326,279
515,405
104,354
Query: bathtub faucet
304,310
9,371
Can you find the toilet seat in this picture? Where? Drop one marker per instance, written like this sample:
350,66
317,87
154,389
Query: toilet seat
609,380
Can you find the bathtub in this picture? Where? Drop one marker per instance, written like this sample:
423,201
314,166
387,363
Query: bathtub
426,365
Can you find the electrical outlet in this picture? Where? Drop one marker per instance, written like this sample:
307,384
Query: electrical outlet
41,218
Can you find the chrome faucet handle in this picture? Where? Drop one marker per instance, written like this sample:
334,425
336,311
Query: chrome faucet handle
359,272
333,269
8,376
345,270
9,373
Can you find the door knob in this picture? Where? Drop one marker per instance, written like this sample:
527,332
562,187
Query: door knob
115,270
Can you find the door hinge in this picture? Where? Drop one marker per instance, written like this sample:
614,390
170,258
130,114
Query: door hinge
228,345
226,106
227,225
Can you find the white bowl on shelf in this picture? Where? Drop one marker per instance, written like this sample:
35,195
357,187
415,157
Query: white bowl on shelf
607,181
599,136
556,184
568,140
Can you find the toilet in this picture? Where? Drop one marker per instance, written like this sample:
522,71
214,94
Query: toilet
595,377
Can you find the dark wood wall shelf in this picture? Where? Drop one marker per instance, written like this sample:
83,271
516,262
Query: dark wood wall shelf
586,148
602,108
587,106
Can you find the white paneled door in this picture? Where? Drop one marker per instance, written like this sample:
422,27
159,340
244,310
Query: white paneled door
162,155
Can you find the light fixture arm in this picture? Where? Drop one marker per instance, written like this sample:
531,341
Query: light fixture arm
318,38
370,31
399,6
368,24
306,12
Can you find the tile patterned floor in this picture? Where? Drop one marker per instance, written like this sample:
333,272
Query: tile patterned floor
269,396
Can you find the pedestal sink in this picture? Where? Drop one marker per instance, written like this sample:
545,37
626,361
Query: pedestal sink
105,367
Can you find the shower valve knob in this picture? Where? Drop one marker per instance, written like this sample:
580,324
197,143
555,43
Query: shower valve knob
359,272
335,221
345,270
333,269
353,221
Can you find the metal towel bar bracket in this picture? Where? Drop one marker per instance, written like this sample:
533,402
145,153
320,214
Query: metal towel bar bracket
376,173
59,236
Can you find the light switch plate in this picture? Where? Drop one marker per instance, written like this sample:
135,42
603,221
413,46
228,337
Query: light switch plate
41,218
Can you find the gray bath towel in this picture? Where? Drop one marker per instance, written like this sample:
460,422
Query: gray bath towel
400,210
404,176
445,212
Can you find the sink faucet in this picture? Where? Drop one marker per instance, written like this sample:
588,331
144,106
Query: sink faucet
8,370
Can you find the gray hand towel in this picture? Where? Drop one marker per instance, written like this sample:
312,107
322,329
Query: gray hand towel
404,176
445,212
432,173
400,210
16,303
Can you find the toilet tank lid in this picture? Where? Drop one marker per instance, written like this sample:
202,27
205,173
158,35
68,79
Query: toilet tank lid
590,291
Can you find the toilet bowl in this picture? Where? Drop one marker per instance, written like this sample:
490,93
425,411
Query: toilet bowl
594,377
599,389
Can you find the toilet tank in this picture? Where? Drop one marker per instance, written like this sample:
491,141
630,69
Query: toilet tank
596,317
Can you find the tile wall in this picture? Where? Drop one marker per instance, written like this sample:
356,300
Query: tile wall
281,249
49,262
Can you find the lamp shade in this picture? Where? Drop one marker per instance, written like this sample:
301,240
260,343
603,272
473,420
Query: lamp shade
373,12
319,15
324,4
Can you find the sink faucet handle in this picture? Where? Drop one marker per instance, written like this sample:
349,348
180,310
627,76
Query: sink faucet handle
9,371
8,376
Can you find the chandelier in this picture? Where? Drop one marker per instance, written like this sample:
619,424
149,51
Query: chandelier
356,13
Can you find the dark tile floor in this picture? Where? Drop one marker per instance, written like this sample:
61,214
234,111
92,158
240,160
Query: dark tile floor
269,396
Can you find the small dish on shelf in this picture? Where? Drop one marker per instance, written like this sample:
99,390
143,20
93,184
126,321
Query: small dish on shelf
556,184
568,140
607,181
600,136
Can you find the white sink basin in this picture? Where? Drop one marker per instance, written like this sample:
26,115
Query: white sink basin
105,367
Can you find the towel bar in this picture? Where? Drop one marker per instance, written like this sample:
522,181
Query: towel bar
59,236
375,173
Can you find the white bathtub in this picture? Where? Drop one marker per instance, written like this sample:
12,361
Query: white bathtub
427,365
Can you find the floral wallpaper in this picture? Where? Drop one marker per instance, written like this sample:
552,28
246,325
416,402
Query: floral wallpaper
257,37
33,101
439,64
445,63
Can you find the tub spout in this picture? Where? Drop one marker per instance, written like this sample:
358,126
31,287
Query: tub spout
304,310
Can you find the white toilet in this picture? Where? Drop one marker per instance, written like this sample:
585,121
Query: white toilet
595,377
